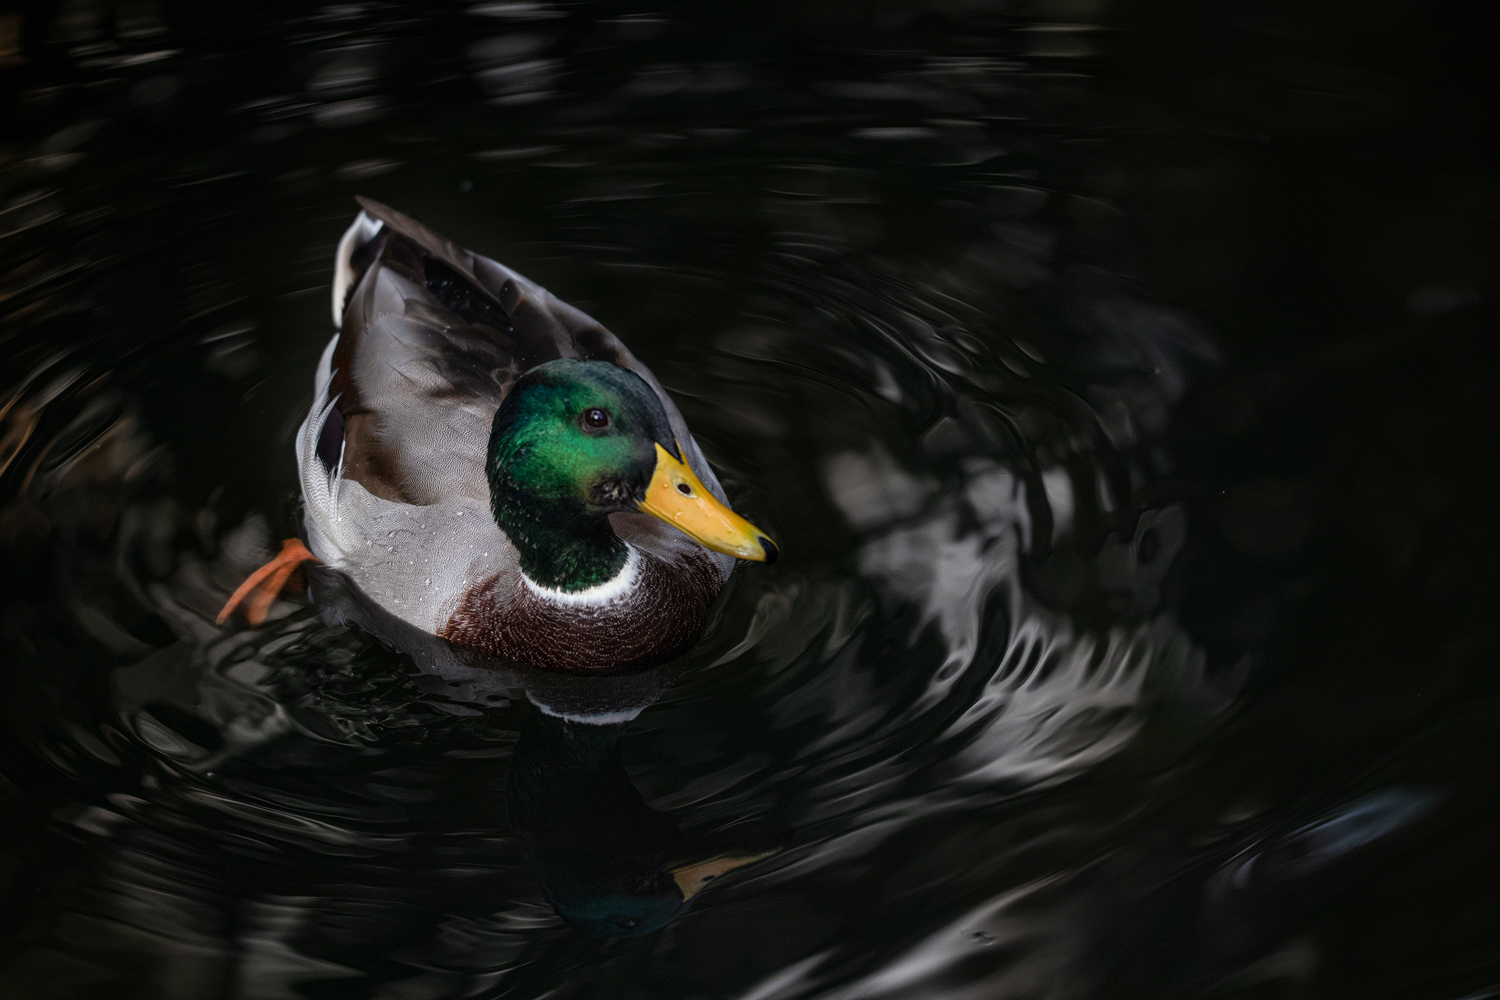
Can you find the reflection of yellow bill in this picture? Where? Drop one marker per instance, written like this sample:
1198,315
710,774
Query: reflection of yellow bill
692,878
677,497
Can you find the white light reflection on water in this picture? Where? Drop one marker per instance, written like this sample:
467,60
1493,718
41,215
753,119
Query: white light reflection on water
995,931
1056,700
933,296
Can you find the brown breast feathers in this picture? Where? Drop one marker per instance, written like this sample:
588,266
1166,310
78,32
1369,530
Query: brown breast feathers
659,619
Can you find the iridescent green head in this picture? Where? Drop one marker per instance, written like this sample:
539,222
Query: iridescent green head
575,441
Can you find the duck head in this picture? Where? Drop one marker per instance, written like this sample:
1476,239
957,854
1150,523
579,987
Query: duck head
575,441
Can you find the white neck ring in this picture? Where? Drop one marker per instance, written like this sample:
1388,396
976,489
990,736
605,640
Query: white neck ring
608,592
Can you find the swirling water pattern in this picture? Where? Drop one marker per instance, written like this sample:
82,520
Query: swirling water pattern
1132,631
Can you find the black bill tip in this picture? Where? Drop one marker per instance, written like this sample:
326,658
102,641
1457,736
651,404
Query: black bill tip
770,549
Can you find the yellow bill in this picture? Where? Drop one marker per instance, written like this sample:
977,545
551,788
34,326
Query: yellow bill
693,877
677,497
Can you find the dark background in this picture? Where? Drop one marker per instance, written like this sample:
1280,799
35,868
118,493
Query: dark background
1235,261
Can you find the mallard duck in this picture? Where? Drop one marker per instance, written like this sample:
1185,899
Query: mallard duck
492,466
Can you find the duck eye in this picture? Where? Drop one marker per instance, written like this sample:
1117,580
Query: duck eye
595,419
629,922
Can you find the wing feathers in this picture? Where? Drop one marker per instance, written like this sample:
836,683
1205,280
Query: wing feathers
432,338
445,250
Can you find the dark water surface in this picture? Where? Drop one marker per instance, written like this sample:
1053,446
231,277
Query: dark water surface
1119,378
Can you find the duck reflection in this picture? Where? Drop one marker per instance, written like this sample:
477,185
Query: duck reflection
609,864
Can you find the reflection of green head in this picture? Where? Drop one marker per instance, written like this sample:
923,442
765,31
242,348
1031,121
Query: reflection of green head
618,910
600,852
573,442
609,864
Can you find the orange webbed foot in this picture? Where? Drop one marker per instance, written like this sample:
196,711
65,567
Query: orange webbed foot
266,583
